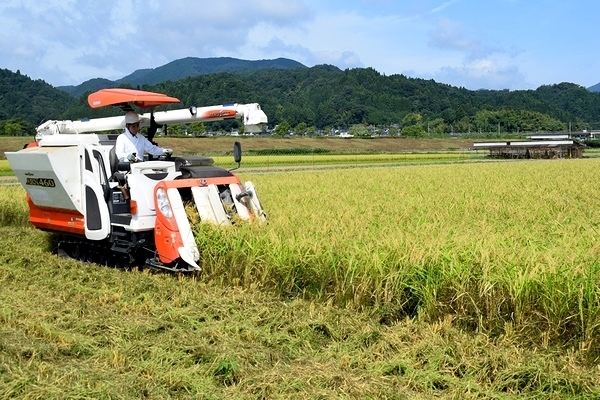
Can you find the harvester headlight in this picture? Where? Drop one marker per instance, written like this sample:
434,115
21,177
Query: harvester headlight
163,203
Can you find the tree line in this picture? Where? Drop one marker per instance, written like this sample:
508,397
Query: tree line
324,97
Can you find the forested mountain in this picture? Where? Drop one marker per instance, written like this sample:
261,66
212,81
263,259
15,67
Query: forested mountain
25,103
325,96
179,69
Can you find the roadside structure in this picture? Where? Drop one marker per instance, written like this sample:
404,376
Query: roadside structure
547,149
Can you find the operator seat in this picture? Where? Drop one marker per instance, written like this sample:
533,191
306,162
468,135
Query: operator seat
113,160
116,167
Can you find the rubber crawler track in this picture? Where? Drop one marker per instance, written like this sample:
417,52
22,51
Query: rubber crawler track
103,254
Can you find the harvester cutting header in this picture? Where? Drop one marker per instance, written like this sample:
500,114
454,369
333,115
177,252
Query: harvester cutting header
132,213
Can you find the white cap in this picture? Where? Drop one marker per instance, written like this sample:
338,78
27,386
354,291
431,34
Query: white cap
131,117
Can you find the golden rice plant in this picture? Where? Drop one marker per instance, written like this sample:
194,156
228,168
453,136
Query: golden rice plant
13,207
492,244
323,159
498,246
5,168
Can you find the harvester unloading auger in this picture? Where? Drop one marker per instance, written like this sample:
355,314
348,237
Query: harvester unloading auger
131,214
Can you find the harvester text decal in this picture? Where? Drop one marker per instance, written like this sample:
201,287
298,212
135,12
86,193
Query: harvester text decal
40,182
219,114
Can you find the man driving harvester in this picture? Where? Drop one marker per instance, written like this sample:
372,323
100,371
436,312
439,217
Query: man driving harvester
131,145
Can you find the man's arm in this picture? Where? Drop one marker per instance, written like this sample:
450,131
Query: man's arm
152,148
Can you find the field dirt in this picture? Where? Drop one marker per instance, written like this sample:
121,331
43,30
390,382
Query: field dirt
213,145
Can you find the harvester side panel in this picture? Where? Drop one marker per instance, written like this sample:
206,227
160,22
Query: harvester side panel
55,220
51,176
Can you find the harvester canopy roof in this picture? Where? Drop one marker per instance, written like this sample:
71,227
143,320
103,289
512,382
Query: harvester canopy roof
143,99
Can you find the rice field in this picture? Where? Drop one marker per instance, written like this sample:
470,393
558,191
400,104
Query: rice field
347,159
429,281
498,246
5,168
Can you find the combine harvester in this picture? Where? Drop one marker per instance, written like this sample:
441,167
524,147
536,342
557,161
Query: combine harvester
131,214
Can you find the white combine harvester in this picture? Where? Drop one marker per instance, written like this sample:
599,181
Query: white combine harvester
131,214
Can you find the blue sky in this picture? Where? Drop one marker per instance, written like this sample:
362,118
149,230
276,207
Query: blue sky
490,44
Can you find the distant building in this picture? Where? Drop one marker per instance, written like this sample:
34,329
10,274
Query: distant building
533,149
583,135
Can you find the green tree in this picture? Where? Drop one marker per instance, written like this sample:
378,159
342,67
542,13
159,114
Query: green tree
411,119
282,128
301,128
393,131
414,131
436,126
12,128
16,127
197,128
359,130
174,129
326,96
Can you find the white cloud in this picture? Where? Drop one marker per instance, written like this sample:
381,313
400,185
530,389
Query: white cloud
488,74
482,66
281,12
210,28
443,6
276,48
450,35
341,59
124,21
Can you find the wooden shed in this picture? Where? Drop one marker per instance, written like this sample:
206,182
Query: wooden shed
533,149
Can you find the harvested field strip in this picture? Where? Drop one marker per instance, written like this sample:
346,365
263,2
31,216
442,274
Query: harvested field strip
74,330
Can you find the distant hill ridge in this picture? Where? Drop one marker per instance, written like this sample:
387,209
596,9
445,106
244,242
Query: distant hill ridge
595,88
179,69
